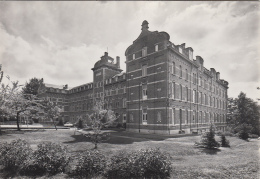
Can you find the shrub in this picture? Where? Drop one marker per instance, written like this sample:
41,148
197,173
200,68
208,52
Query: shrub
90,164
60,123
49,158
12,155
80,124
208,140
146,163
243,131
224,142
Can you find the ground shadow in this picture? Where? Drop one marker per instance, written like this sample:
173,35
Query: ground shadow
118,138
210,151
23,131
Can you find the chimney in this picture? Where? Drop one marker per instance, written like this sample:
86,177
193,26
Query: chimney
145,25
218,75
65,86
106,54
118,61
200,60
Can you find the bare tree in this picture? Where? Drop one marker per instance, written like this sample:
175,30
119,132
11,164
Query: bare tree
99,119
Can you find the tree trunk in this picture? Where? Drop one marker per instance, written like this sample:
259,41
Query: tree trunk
17,121
54,124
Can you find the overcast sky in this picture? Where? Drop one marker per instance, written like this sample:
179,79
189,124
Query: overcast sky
61,41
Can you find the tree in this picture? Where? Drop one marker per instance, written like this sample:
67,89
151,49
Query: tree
244,111
6,93
51,111
99,119
208,140
33,86
224,142
19,104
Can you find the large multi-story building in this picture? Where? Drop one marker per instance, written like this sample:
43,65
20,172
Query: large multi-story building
164,90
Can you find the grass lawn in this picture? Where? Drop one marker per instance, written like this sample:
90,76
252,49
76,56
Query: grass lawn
239,161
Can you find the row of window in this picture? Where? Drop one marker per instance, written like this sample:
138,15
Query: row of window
197,97
115,91
182,116
144,51
201,83
81,88
89,106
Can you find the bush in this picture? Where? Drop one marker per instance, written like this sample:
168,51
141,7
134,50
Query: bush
80,124
13,155
208,140
49,158
224,142
243,131
90,165
148,163
60,123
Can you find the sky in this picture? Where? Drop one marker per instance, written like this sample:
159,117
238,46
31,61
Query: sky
61,41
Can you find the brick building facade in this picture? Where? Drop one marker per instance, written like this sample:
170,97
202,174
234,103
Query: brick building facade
164,90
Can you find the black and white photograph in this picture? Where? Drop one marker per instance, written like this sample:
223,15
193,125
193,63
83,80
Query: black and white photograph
129,89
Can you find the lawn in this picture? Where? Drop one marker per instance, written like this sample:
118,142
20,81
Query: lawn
239,161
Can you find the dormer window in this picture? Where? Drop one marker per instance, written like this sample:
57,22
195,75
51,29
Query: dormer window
180,49
190,55
156,47
123,76
144,51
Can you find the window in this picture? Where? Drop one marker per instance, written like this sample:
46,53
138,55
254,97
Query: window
133,56
124,103
186,74
159,116
156,47
173,90
131,118
187,93
200,81
144,116
173,68
194,117
180,92
187,117
173,116
144,70
194,78
144,51
194,96
205,100
116,78
124,89
123,76
180,71
116,90
144,91
200,117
